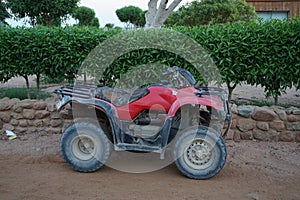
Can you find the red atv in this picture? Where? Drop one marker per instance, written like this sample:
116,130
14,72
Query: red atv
192,120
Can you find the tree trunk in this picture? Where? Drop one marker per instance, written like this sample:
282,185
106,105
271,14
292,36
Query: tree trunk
27,86
157,15
230,90
276,99
38,85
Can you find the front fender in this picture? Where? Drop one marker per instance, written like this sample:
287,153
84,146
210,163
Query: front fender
212,102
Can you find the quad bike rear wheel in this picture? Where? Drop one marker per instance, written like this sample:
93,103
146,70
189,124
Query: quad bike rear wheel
199,153
84,146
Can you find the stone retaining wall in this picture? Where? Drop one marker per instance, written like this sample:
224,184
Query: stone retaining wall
265,123
249,122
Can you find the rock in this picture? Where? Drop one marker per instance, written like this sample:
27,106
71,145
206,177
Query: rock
8,127
19,130
27,104
263,126
270,135
239,135
23,123
53,130
39,105
28,114
245,125
287,136
4,106
55,123
5,116
277,125
1,124
42,114
297,138
233,123
236,136
245,111
16,116
293,126
51,107
234,109
282,115
230,135
18,109
263,114
38,123
55,116
14,122
292,118
296,112
290,110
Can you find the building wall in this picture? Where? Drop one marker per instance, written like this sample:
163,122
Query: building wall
291,6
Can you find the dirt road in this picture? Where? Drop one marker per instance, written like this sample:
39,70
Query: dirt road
31,168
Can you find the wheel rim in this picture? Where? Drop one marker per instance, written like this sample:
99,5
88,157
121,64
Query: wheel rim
199,154
83,147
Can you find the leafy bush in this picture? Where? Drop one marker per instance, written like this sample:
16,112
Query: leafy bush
258,53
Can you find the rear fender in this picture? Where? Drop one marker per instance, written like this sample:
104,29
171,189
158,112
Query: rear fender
107,108
194,101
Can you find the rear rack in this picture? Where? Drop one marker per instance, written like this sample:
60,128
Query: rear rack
85,91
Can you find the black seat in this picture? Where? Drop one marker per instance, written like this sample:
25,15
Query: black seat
120,97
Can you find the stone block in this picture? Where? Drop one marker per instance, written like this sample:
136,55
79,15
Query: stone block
42,114
5,117
17,108
51,107
27,104
39,105
28,114
277,125
20,130
263,114
297,138
282,115
296,112
8,127
293,126
292,118
56,123
287,136
263,126
5,106
245,111
270,135
23,123
245,125
16,116
14,122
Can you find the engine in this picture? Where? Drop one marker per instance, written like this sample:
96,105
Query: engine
147,124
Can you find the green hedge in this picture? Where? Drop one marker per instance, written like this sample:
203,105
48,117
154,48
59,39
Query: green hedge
262,53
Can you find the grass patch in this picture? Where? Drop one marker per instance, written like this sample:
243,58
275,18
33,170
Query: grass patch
21,93
258,103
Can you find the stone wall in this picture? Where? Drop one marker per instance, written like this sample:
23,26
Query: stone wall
31,116
249,122
265,123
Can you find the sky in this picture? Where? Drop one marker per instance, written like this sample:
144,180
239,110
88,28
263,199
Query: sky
105,10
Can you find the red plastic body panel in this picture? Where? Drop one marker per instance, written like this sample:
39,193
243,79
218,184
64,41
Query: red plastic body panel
168,100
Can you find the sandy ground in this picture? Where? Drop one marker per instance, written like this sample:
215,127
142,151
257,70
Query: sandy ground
31,168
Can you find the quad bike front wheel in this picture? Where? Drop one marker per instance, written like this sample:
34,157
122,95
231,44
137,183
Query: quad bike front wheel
199,153
84,146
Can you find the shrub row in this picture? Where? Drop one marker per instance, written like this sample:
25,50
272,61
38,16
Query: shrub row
261,53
